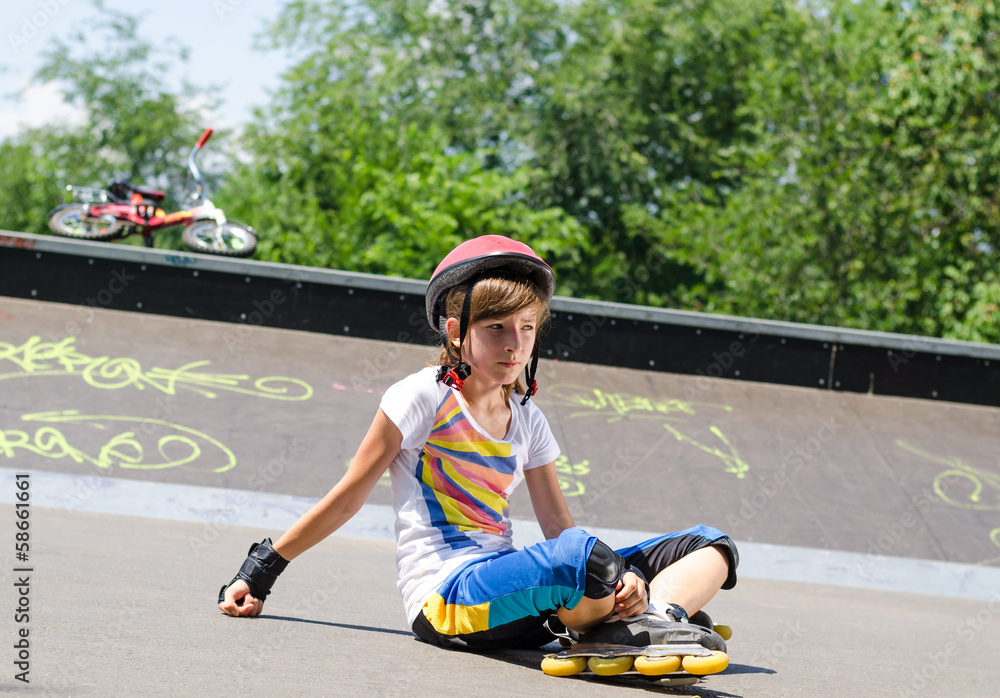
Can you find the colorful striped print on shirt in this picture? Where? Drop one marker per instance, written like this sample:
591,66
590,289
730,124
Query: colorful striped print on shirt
465,476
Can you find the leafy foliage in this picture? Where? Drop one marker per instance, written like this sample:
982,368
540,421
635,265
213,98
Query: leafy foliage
350,169
135,127
825,161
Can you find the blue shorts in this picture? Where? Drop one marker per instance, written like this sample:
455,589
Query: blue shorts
503,600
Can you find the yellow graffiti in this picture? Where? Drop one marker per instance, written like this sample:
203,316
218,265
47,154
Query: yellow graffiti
567,475
995,537
38,358
123,450
977,480
617,406
734,463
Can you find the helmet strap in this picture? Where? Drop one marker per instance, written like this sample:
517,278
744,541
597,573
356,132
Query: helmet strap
454,376
529,375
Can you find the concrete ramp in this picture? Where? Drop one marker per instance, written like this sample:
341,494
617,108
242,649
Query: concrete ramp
98,393
159,447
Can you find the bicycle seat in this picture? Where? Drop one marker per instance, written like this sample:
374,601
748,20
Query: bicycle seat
151,194
122,191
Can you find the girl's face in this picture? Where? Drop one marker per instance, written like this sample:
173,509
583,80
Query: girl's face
499,348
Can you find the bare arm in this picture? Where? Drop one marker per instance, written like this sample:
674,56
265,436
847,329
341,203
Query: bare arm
554,518
547,500
376,453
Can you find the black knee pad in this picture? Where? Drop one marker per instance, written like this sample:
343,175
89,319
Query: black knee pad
605,568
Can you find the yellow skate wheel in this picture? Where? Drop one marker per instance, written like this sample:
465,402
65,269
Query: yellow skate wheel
563,666
724,631
700,666
657,666
609,666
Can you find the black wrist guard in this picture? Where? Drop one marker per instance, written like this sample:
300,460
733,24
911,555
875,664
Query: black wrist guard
259,570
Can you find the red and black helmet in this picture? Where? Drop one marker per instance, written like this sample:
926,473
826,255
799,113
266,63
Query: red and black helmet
471,260
477,256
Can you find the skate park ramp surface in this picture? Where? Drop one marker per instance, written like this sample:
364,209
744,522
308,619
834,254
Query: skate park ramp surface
159,448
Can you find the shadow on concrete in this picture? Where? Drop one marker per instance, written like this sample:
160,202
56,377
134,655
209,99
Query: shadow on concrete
345,626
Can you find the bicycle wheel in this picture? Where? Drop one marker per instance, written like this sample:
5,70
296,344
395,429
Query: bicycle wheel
231,239
71,221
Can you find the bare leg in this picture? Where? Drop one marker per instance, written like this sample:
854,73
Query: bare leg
588,613
692,581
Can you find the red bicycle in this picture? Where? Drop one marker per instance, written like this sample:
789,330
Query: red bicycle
123,209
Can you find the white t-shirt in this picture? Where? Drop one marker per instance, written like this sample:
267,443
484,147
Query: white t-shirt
451,480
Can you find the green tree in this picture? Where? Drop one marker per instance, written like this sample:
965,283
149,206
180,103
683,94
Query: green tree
589,116
867,193
647,97
829,161
134,126
346,170
792,234
940,113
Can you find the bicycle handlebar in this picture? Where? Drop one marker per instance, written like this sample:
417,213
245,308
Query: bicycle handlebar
193,165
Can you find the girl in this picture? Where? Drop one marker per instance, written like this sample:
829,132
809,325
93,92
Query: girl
457,438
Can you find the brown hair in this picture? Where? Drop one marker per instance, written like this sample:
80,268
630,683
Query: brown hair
496,295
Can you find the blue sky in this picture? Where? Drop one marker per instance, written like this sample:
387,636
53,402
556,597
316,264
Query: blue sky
220,34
